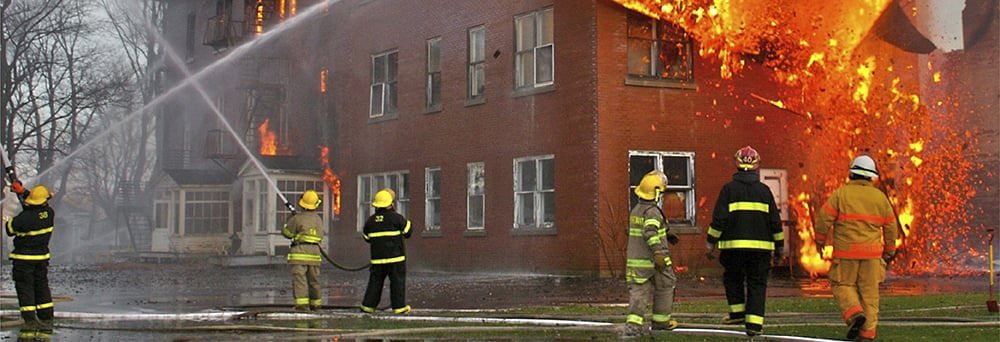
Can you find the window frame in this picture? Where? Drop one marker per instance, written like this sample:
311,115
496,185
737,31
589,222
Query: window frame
470,193
365,196
538,195
472,92
214,209
432,71
386,87
432,194
538,18
690,205
652,75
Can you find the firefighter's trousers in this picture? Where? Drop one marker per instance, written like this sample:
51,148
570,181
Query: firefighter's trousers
745,279
660,287
397,285
855,288
31,281
305,285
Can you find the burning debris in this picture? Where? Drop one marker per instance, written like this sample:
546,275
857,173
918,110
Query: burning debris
860,95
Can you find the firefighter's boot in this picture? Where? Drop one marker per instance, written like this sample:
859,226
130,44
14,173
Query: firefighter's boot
732,318
855,323
633,330
301,307
668,325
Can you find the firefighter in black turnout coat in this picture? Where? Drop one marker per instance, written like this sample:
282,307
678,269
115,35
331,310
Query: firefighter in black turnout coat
385,231
32,229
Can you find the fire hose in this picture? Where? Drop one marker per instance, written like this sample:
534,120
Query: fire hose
336,264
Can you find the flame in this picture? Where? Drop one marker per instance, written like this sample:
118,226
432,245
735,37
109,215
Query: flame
268,140
330,178
810,257
258,22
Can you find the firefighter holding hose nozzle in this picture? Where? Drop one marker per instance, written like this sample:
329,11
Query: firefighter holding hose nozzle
305,229
859,222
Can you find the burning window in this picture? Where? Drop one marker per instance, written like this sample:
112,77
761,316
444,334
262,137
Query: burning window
534,192
658,50
434,72
678,201
477,62
476,196
432,198
324,79
368,184
534,65
383,88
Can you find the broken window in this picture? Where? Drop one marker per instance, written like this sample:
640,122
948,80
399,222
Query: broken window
534,192
383,88
534,63
432,195
658,50
678,200
477,62
476,196
434,72
368,184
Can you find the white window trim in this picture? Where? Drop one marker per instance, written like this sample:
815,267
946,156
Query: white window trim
427,198
537,18
362,205
471,76
428,77
469,194
385,86
539,209
690,209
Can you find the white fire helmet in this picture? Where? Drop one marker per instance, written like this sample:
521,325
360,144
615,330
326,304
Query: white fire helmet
864,166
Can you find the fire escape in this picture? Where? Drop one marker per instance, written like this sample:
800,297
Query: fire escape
264,81
133,214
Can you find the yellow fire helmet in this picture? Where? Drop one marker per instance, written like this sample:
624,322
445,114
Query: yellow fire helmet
384,198
651,185
38,195
310,200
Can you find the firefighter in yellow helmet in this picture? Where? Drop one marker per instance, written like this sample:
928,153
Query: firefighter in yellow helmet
305,229
859,222
385,231
648,268
746,228
32,230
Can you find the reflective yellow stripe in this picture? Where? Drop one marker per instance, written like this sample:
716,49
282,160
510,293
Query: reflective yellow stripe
639,263
407,228
34,232
34,334
779,236
651,222
750,206
388,260
401,310
316,302
387,233
367,309
308,238
714,232
668,261
659,318
45,256
635,232
634,319
28,308
303,257
302,301
45,305
754,319
748,244
653,240
737,308
10,227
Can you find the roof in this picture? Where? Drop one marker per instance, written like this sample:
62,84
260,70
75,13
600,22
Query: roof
200,177
283,164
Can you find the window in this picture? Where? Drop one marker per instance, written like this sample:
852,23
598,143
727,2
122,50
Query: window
477,62
658,50
534,192
434,72
293,190
368,184
476,196
189,38
432,198
206,212
678,201
164,211
533,59
324,80
383,90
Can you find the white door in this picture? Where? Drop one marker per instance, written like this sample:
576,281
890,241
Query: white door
777,180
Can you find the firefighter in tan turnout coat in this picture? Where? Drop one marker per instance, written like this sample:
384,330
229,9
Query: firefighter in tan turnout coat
649,270
305,229
859,221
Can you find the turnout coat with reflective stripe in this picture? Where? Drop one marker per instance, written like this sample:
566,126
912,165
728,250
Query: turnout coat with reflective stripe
745,216
859,219
647,234
385,231
306,231
31,229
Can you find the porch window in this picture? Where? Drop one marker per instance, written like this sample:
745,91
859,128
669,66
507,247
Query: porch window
206,212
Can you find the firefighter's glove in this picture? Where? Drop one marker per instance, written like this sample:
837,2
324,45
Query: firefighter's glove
659,261
711,249
673,239
17,187
888,256
779,252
